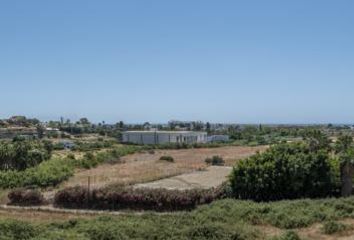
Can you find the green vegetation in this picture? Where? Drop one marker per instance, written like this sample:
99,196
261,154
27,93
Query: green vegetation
58,169
345,149
288,235
167,158
224,219
90,159
94,145
215,161
21,154
48,173
284,171
332,227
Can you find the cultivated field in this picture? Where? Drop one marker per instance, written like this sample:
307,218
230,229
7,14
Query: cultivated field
146,166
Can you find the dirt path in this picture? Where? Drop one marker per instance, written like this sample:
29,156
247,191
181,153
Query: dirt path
52,214
211,177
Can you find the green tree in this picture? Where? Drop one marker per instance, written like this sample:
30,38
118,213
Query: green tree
344,147
317,140
284,171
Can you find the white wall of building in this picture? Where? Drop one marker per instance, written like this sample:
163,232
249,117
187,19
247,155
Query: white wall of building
161,137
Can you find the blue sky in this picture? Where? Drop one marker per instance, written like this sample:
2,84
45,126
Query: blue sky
219,61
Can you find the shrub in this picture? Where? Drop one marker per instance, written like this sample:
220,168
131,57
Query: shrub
88,161
59,146
48,173
288,235
111,157
285,171
215,161
13,229
21,154
73,197
26,197
167,158
138,199
332,227
71,156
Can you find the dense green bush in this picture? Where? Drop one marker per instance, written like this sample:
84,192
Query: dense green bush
332,227
15,230
167,158
48,173
285,171
147,199
88,161
26,197
21,154
215,161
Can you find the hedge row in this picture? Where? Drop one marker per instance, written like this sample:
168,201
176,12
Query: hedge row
49,173
137,199
26,197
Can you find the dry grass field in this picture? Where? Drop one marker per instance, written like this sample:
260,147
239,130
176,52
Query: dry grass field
212,176
145,167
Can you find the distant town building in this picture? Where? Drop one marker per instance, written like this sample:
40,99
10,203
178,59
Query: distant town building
49,129
161,137
218,138
11,132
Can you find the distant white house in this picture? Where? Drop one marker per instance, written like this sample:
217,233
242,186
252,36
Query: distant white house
218,138
161,137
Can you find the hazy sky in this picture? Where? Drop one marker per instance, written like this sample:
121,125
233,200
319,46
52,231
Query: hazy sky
220,61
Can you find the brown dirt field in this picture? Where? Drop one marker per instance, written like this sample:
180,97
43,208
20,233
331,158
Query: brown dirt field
145,167
213,176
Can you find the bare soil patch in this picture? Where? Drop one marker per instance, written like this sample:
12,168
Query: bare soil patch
213,176
40,216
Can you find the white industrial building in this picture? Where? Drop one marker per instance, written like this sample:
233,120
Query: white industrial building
161,137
